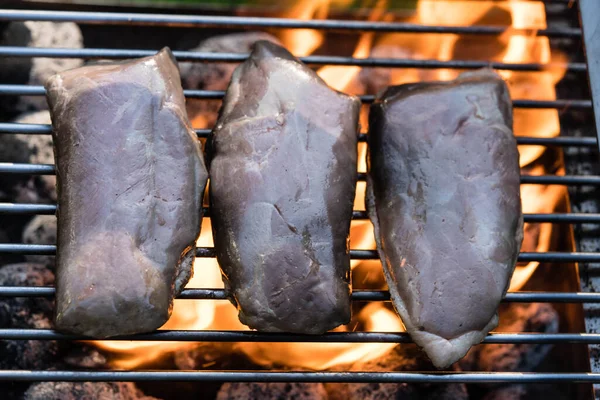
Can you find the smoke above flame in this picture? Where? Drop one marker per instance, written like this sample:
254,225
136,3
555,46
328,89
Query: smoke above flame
377,316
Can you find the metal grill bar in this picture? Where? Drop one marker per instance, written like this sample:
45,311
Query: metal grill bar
209,252
552,257
298,376
329,337
31,90
34,169
570,180
11,208
206,21
313,60
357,295
565,218
28,129
561,141
589,14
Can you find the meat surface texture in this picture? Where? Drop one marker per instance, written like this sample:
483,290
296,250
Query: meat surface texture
283,178
444,197
131,176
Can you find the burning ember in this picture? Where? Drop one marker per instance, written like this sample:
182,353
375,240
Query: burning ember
377,316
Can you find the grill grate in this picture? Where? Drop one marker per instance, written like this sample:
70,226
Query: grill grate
312,60
565,105
204,21
25,90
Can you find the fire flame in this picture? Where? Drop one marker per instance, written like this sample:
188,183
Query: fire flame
303,42
507,48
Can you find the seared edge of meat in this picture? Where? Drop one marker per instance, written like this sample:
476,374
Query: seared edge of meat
122,259
443,351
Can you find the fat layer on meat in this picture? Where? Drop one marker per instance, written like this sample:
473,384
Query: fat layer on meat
283,178
443,195
130,177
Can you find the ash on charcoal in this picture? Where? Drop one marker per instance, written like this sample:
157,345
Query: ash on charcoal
401,358
21,313
214,76
85,390
272,391
41,230
514,317
36,313
35,71
26,312
25,148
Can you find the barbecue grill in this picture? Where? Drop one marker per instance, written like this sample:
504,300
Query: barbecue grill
580,145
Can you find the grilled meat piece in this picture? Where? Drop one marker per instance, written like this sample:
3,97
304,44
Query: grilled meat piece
130,181
443,194
283,179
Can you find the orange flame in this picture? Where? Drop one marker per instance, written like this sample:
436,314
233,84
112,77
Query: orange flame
530,199
507,48
320,356
302,42
187,315
341,77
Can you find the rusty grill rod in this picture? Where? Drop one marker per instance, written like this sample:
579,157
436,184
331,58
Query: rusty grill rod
87,53
206,21
357,295
31,90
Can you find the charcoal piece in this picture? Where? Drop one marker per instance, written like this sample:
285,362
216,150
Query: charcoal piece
36,70
511,392
373,391
283,178
34,313
443,195
402,358
85,356
85,390
131,177
4,238
26,313
514,317
215,76
528,392
448,391
32,149
272,391
41,230
214,356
